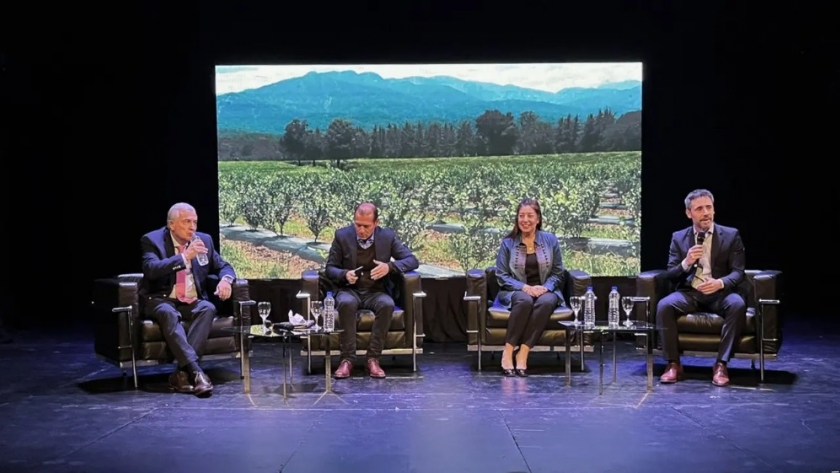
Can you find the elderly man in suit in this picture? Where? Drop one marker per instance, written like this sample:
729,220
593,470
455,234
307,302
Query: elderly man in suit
706,262
174,288
359,264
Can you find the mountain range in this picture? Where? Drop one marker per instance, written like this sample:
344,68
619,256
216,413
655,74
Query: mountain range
367,99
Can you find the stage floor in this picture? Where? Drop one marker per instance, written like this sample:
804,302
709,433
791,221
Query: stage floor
62,410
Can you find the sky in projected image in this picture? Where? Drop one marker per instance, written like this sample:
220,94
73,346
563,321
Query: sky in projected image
545,77
445,151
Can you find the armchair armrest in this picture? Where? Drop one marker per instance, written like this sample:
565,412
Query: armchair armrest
412,310
767,310
241,297
115,306
309,291
652,285
578,282
477,304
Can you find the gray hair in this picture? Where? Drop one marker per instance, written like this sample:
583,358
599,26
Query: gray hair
696,194
175,211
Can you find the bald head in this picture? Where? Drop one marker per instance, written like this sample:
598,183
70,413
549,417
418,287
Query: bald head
367,208
365,219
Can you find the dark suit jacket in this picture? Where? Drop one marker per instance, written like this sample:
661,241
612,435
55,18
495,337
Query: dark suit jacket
342,257
160,263
727,258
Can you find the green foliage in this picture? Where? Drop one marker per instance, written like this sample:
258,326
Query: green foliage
478,193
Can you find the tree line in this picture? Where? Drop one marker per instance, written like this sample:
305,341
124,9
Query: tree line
493,133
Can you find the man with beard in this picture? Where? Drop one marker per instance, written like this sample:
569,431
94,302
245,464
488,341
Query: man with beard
706,264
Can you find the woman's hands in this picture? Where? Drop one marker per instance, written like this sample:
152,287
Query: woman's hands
534,291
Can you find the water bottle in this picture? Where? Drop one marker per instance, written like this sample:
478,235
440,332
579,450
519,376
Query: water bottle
201,257
613,313
589,307
329,312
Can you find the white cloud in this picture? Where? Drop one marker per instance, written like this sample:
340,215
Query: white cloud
549,77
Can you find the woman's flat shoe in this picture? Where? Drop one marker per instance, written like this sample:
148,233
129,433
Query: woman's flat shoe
509,372
523,373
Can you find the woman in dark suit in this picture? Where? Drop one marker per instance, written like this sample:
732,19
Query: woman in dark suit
529,269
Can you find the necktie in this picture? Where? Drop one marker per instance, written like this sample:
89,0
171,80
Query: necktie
181,283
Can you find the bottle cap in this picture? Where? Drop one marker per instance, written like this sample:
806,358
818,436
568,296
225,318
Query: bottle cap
588,288
615,288
329,293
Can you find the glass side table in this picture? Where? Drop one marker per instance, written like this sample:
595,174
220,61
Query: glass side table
638,328
261,331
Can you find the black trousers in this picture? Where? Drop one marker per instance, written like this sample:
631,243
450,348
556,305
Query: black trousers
528,317
729,305
348,302
186,345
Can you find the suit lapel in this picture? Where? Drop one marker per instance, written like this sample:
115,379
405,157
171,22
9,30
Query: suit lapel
688,239
169,251
354,246
379,245
717,242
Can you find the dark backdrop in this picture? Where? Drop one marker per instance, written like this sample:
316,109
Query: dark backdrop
113,120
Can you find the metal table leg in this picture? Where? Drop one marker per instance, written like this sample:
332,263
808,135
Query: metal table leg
600,365
568,357
615,363
245,363
328,364
285,371
649,349
581,334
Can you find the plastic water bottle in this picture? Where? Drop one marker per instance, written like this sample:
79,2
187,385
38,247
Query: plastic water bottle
589,307
201,257
329,312
613,313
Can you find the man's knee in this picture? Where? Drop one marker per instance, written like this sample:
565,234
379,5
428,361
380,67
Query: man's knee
205,308
663,306
165,315
735,305
385,303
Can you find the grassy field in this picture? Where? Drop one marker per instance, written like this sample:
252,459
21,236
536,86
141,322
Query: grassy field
309,202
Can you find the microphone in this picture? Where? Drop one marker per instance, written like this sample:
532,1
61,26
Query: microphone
701,237
290,327
287,326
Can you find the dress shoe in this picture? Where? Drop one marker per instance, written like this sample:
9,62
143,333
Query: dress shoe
179,382
509,372
673,373
202,384
521,372
344,369
720,376
374,369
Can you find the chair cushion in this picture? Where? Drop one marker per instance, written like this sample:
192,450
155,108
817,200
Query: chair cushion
150,331
365,318
498,316
709,323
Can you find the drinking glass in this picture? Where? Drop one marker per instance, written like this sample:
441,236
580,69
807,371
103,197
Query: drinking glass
627,305
575,301
315,310
264,308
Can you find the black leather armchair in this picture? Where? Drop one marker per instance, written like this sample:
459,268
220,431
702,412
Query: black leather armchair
405,335
124,338
699,332
487,320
